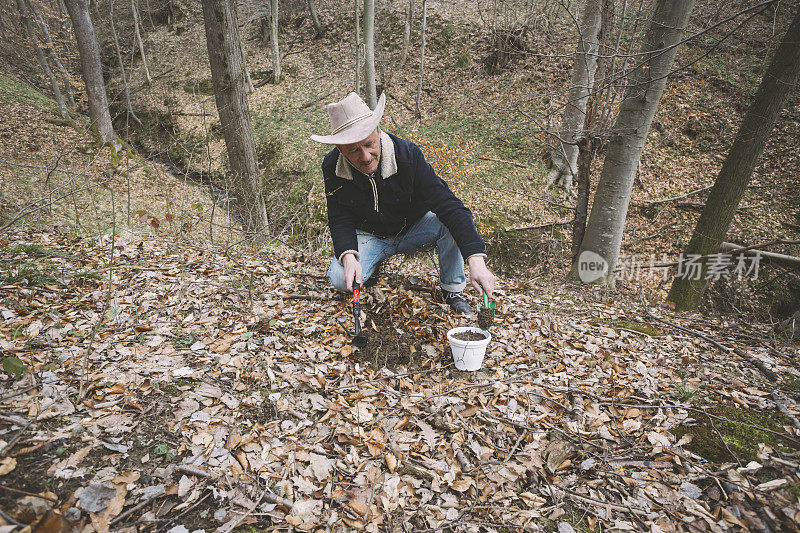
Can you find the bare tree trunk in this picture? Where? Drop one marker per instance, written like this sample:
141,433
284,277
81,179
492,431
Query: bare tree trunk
314,17
227,75
51,51
564,152
273,37
422,55
607,220
122,66
369,45
357,23
136,29
781,77
602,83
2,24
591,142
248,79
407,35
31,31
588,147
92,69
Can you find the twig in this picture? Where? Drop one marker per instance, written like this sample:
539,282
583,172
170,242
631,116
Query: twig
246,514
135,508
503,161
779,258
780,401
26,493
690,193
18,393
758,363
190,508
415,471
192,471
648,237
540,226
686,330
510,454
16,437
309,297
10,520
14,419
612,506
724,442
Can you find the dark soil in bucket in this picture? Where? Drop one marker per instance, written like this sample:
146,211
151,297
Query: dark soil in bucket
485,317
469,336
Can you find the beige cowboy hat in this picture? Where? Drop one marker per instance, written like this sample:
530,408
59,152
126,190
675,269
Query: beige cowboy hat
352,120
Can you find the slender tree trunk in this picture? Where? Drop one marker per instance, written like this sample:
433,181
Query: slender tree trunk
248,79
422,55
314,17
137,30
122,66
779,80
407,34
369,46
607,219
92,69
564,154
51,51
591,142
227,75
273,37
596,103
588,147
357,22
31,31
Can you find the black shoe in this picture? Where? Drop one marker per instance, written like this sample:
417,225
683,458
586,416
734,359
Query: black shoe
375,277
458,304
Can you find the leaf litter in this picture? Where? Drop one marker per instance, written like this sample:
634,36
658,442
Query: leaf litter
214,397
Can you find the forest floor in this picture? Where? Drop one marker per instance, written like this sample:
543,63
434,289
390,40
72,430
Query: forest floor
173,378
177,385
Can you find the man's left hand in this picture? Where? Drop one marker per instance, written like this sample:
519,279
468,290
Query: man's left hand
480,276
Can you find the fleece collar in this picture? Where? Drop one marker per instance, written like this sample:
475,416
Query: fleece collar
388,163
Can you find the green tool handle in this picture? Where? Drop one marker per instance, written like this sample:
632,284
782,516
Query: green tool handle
485,299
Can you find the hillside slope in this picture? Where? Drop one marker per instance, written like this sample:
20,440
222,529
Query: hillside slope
55,179
482,132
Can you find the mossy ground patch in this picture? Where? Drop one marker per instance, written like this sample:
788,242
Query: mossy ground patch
727,433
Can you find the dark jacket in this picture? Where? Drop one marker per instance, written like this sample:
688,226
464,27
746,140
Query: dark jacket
402,199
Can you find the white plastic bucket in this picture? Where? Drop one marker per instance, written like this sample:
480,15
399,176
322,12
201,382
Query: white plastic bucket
468,355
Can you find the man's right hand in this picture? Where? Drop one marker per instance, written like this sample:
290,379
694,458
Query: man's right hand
352,271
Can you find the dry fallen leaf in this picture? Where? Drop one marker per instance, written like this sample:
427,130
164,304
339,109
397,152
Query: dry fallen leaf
321,466
391,462
7,465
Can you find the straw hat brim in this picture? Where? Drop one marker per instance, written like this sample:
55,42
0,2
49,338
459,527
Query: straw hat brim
357,131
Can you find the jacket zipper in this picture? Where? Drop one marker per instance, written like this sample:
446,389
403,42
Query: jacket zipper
374,192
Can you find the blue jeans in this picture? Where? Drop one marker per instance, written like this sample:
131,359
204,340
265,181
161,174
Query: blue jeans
424,234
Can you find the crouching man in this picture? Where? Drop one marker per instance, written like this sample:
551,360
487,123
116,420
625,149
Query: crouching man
383,198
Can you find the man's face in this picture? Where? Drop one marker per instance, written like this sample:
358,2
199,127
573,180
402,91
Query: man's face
364,155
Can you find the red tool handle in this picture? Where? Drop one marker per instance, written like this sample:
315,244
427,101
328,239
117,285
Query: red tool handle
356,309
